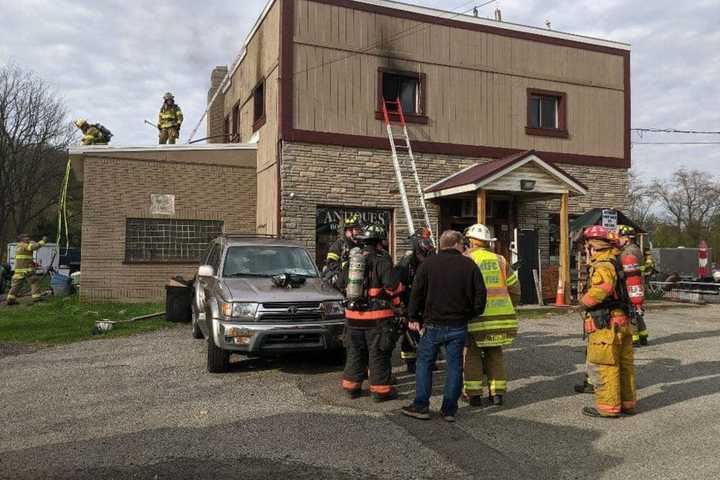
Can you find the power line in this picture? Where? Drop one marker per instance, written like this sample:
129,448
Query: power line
401,34
673,130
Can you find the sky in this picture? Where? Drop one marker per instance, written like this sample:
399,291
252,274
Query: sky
111,61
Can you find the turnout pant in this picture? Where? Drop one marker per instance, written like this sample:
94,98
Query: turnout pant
611,369
639,329
17,282
408,350
169,135
369,355
484,362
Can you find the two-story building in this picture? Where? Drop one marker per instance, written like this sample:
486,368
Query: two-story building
477,94
511,125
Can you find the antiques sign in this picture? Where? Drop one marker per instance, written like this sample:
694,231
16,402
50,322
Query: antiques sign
329,218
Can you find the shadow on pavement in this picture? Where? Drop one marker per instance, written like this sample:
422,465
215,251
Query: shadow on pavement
682,337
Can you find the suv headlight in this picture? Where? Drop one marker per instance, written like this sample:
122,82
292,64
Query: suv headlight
333,309
240,310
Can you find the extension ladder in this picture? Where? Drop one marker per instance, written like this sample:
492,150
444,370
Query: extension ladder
394,107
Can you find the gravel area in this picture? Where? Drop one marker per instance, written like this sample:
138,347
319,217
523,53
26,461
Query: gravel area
144,407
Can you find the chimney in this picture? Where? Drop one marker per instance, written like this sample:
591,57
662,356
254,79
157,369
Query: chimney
498,15
216,114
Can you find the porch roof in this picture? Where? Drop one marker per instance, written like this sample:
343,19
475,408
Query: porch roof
505,174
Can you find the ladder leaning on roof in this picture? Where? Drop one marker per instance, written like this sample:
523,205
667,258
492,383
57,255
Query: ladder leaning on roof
394,107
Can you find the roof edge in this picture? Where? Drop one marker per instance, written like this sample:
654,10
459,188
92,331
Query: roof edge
83,149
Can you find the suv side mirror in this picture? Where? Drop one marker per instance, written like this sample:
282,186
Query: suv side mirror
206,271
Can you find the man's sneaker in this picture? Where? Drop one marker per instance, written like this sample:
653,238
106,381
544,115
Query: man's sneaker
353,394
415,412
476,401
449,418
377,397
592,412
585,387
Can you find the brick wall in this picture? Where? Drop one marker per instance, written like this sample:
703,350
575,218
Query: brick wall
216,114
117,189
328,175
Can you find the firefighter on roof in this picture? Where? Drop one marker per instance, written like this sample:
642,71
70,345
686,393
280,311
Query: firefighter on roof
373,291
496,327
610,362
25,269
93,134
170,120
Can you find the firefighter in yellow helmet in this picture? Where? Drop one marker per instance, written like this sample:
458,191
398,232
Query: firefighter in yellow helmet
496,327
25,268
170,120
93,134
610,361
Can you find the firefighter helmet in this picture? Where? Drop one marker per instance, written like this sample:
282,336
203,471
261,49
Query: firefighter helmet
24,237
372,233
351,220
626,231
716,276
598,232
168,96
422,243
479,232
80,122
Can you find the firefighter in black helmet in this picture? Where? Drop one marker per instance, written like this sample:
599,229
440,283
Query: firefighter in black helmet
422,248
370,334
338,254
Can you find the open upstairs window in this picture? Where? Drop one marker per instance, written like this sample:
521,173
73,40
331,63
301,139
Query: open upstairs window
235,131
547,113
409,88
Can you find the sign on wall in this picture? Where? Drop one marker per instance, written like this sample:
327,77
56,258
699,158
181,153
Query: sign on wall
329,218
610,219
162,204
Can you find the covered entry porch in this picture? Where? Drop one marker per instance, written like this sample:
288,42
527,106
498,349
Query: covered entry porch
502,194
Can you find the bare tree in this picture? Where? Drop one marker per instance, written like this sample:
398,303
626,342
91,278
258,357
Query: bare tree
690,201
34,136
641,201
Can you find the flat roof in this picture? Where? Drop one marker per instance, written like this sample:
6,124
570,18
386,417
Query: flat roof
83,149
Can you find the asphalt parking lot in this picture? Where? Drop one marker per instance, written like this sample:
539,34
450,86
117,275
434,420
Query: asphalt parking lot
144,407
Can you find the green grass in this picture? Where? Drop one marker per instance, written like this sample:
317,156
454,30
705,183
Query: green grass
66,320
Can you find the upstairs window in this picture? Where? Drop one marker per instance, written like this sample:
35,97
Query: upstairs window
547,113
235,132
409,87
226,129
259,106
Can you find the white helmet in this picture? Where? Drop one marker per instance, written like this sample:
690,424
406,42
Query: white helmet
716,275
480,232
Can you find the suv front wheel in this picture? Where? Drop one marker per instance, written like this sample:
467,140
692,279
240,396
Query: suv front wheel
218,360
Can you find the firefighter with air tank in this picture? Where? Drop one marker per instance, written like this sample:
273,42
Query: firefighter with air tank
610,360
339,252
373,290
633,264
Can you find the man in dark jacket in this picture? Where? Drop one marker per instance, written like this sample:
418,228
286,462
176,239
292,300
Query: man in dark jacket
447,292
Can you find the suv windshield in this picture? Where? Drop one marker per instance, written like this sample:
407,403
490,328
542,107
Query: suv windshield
265,261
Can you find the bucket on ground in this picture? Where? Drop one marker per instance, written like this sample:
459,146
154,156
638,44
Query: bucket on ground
178,300
61,285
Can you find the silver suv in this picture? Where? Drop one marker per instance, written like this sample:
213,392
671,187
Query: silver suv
261,295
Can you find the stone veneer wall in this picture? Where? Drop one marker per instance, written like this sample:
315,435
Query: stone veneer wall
315,175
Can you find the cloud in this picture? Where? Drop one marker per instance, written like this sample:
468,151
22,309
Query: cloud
113,60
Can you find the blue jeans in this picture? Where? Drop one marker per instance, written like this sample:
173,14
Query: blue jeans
454,341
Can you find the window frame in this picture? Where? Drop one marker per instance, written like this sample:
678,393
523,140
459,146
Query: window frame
561,131
259,120
226,129
420,116
188,261
234,134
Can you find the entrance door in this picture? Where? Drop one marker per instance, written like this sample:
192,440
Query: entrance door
528,257
501,219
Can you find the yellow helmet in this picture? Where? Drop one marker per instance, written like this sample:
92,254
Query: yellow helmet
168,96
80,122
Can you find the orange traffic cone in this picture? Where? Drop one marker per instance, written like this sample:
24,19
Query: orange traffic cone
560,297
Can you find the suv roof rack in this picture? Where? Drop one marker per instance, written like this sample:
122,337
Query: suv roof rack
250,235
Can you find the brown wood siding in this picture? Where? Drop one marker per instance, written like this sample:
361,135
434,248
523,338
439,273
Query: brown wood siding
261,62
476,82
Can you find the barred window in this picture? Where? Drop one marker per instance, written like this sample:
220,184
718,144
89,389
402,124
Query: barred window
168,240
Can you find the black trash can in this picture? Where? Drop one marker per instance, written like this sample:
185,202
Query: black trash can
178,301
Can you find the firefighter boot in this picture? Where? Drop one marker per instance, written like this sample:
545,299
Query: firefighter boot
410,366
593,412
476,401
495,400
585,387
384,397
